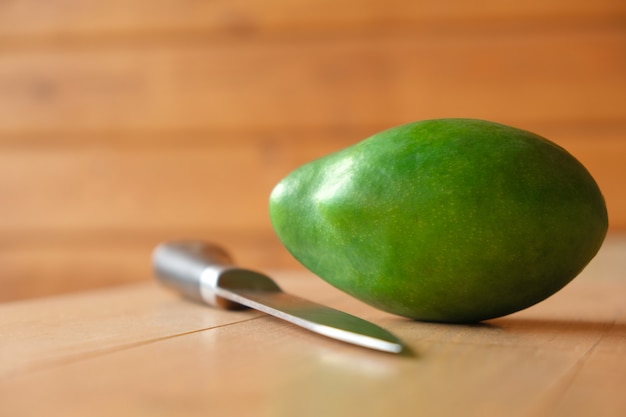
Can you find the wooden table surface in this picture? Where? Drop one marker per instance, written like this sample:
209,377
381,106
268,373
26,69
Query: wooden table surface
139,350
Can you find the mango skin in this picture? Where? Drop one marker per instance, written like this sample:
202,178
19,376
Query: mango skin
448,220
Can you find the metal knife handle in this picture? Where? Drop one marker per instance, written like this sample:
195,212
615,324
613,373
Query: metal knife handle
205,272
193,269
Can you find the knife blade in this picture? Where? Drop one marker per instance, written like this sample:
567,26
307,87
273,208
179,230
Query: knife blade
205,272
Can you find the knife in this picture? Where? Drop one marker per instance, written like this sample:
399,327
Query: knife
205,272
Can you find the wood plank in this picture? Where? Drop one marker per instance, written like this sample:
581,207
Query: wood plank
45,333
597,374
83,214
317,82
528,364
44,264
80,18
221,187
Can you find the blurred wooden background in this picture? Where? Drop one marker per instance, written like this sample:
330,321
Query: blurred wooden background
124,123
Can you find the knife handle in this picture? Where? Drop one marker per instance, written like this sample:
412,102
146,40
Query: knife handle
193,269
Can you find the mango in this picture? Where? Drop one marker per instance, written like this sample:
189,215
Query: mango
446,220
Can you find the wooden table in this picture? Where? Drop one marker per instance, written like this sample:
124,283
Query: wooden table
139,350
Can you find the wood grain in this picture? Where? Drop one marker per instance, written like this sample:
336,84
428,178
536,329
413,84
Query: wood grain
69,334
205,185
36,265
126,123
139,350
312,83
95,215
57,18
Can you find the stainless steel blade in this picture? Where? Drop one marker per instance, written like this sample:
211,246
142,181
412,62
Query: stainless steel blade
312,316
205,272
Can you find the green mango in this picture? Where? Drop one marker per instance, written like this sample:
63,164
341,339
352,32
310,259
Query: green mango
448,220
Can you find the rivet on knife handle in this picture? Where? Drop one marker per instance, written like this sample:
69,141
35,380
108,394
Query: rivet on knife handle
205,272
